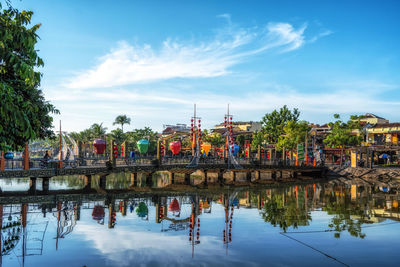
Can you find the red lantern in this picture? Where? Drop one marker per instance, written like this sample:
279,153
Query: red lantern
175,147
99,146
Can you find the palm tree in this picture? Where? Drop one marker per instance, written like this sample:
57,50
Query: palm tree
98,130
122,119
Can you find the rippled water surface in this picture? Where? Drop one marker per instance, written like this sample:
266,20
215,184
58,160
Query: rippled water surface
323,224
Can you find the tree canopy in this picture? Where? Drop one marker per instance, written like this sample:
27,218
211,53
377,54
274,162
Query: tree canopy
122,119
342,132
24,112
293,130
273,123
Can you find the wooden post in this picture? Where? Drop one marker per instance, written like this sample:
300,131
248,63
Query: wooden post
26,157
112,157
297,152
60,159
305,150
2,161
259,154
123,150
159,152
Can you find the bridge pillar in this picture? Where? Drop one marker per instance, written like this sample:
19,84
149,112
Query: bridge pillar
134,179
220,177
294,174
32,184
234,176
103,181
273,175
205,177
187,178
258,175
149,179
88,182
171,177
45,184
248,176
123,208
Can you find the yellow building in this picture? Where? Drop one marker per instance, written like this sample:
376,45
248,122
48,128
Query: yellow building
384,134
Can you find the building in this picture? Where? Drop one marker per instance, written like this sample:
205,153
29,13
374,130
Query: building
372,119
171,129
383,134
242,126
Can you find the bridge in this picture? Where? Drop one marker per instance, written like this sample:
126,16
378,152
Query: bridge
211,170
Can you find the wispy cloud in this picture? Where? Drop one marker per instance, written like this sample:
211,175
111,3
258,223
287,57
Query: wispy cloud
132,64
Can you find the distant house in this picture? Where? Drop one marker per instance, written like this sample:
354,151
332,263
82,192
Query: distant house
172,129
372,119
243,126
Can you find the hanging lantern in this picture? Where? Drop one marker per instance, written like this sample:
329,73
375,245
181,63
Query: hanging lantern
175,147
99,146
142,145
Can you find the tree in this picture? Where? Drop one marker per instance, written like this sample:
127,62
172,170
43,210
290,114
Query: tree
24,112
118,136
273,123
98,130
292,132
259,138
145,133
122,119
342,133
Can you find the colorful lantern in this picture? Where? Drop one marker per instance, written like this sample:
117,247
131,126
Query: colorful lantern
175,147
234,149
206,148
9,155
143,146
99,146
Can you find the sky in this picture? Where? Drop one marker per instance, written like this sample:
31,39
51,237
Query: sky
153,60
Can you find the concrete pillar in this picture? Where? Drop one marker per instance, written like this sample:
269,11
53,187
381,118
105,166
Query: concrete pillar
220,177
32,184
45,184
103,181
205,177
294,175
88,182
248,176
134,179
258,175
149,179
234,176
187,178
273,175
171,177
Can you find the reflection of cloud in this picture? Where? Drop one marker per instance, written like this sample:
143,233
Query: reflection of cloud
126,247
130,64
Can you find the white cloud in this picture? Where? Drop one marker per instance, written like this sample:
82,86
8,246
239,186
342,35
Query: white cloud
155,108
131,64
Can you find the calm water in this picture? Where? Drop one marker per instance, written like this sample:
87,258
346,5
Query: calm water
329,224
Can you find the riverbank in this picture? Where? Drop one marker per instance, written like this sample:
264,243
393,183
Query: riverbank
375,175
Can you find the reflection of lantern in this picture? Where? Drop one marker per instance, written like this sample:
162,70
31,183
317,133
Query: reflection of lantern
99,146
9,155
174,206
206,148
98,213
234,149
175,147
143,146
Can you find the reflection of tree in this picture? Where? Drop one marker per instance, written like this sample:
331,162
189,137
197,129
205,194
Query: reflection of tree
342,220
277,212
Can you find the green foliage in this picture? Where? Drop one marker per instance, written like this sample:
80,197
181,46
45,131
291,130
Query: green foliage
215,139
118,136
259,138
341,132
24,111
273,123
293,130
145,133
122,119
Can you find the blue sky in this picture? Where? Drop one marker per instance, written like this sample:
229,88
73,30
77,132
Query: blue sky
152,60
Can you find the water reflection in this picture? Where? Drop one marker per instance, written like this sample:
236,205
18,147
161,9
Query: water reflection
219,227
